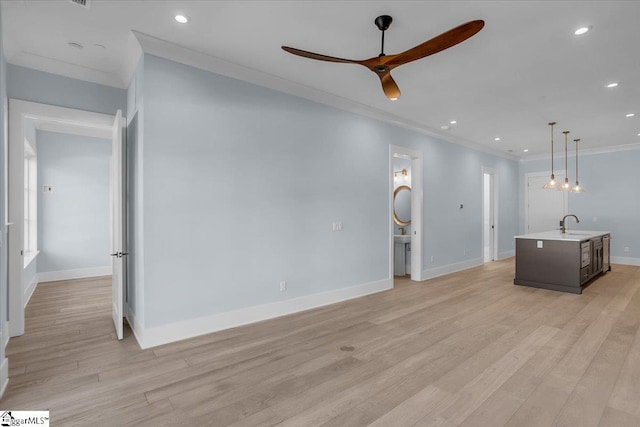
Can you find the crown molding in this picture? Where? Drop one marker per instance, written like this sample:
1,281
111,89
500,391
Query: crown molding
587,152
66,69
184,55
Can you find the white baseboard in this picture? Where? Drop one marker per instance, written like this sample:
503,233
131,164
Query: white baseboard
451,268
625,260
4,376
78,273
136,327
6,338
152,337
506,254
30,290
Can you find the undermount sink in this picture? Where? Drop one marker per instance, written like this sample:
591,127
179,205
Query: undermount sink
579,234
402,238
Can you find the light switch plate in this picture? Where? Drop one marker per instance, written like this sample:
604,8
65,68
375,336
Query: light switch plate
539,244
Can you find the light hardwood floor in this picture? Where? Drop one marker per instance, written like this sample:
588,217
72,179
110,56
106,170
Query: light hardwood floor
467,349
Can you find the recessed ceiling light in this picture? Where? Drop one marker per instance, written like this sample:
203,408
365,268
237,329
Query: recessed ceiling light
445,127
630,115
497,138
581,30
183,19
613,84
526,150
453,122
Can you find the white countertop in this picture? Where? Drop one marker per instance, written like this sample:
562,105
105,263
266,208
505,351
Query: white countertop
570,235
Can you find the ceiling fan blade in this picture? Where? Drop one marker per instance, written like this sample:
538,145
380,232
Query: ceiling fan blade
439,43
389,86
318,56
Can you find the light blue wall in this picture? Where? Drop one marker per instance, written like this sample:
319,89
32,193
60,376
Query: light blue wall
73,219
46,88
135,265
612,197
4,295
242,184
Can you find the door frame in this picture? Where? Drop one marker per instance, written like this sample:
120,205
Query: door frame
92,123
416,158
529,175
493,210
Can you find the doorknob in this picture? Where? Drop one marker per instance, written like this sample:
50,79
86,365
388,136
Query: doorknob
119,254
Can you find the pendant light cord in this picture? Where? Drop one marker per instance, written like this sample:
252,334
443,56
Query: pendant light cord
566,160
576,141
551,124
551,149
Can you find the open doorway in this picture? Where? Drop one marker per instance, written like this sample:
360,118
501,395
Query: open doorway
405,213
489,215
76,151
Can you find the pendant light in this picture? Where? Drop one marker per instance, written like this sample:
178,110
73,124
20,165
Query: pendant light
552,184
577,188
565,185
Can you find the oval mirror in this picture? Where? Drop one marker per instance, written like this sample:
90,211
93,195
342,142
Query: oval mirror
402,205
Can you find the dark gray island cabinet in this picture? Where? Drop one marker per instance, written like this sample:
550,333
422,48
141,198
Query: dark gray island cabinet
561,262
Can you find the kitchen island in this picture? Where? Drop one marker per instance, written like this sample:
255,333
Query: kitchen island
559,261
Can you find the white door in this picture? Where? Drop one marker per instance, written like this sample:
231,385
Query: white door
488,216
118,229
545,208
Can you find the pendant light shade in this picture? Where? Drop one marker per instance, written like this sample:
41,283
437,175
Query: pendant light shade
552,184
577,188
565,185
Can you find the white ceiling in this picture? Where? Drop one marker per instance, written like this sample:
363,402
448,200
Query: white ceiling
524,69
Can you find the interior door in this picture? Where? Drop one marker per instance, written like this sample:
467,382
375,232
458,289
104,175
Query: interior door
118,230
488,217
545,208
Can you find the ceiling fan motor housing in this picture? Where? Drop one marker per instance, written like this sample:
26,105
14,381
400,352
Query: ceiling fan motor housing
383,22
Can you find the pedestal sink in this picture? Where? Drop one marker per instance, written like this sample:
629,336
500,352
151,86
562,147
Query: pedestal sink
402,238
399,253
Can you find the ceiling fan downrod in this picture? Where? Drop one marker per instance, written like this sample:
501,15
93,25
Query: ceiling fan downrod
383,22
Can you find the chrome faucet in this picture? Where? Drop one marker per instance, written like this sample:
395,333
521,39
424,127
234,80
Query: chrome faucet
563,223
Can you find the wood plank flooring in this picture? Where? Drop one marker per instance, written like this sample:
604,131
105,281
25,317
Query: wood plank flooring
468,349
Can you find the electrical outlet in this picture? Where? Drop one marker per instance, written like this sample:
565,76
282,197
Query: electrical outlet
283,286
595,219
464,252
626,249
337,226
431,258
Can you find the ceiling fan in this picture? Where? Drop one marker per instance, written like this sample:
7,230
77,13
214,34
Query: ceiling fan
382,64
